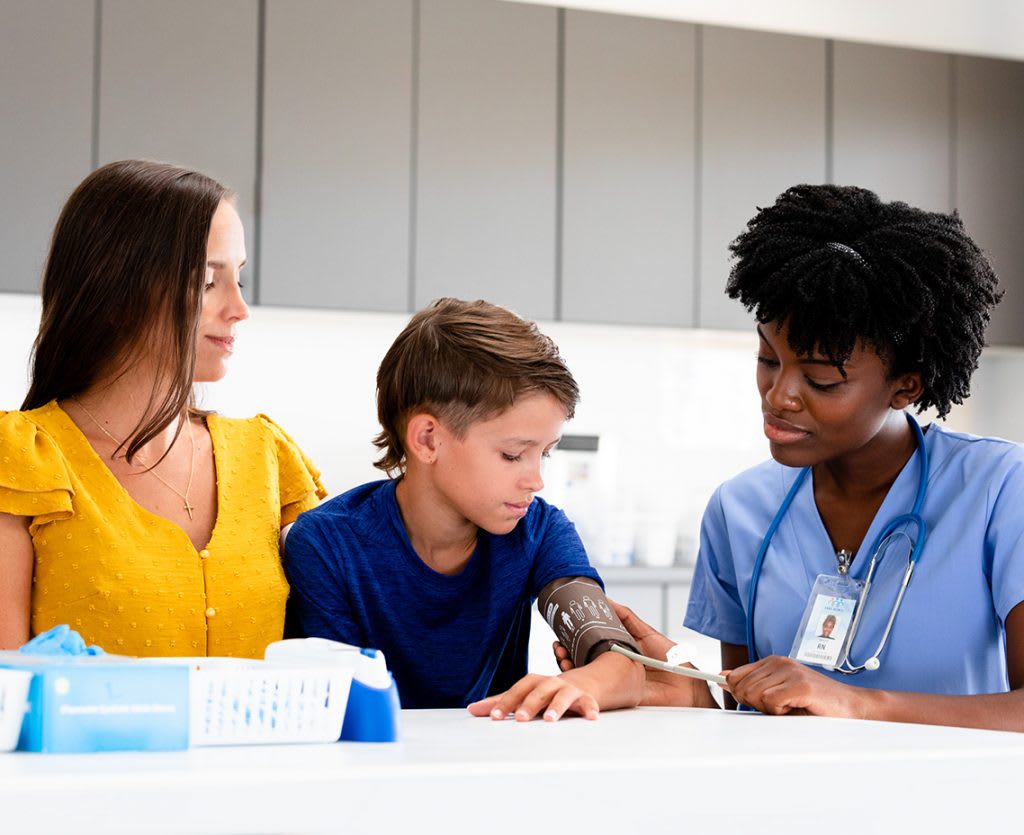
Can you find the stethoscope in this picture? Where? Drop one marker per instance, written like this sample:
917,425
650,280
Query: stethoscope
882,542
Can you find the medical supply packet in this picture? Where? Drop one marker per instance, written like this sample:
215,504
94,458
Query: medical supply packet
102,703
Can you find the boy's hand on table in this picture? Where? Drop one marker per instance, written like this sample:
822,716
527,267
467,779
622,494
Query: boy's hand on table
608,682
528,697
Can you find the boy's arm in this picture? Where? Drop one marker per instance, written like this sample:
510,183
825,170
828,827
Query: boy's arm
660,688
581,616
578,612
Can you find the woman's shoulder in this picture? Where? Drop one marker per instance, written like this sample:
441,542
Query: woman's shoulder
23,428
35,478
255,429
253,421
261,437
256,435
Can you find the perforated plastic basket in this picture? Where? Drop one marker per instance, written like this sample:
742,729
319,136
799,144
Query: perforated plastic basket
238,701
13,700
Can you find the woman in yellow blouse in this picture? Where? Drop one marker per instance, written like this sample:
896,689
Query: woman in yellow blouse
149,526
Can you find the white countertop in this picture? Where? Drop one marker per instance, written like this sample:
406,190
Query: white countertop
650,770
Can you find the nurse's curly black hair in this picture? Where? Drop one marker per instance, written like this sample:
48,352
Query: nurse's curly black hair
837,264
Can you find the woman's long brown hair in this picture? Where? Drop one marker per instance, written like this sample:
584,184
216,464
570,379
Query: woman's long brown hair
124,279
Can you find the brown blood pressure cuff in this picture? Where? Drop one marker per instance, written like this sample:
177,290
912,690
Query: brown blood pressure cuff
579,613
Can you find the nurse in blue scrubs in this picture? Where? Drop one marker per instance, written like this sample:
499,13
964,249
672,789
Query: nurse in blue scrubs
866,313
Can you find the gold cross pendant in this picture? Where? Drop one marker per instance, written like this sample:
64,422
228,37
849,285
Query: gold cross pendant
188,509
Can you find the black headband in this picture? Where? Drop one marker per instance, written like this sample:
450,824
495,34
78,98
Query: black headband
849,250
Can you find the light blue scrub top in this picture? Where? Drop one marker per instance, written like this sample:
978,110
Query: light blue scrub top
949,635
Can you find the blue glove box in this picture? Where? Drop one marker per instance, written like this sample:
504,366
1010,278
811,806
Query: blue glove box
102,703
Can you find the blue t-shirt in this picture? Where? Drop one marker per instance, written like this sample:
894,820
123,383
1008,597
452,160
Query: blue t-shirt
448,640
949,635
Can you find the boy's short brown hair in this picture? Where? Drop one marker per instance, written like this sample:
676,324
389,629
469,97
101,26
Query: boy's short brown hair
463,361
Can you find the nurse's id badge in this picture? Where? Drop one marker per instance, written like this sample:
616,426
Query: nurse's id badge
822,637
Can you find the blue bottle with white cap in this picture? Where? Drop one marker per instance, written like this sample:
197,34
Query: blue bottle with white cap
373,708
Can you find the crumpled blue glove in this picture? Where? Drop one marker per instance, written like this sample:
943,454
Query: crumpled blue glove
60,640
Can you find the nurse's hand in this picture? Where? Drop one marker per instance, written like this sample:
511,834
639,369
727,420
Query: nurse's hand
608,682
780,685
661,689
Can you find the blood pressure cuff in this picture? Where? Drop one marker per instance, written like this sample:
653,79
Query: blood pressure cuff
579,613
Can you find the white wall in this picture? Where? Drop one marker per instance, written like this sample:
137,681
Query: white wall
677,410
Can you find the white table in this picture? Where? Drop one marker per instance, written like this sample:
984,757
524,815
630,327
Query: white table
650,770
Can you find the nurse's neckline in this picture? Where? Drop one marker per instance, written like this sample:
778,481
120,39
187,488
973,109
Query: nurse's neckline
880,490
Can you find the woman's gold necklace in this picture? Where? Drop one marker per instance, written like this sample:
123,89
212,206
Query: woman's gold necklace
191,470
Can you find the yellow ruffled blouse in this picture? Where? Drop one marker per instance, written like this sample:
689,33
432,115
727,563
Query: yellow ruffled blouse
131,581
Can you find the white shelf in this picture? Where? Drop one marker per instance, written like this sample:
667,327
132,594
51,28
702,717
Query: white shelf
989,28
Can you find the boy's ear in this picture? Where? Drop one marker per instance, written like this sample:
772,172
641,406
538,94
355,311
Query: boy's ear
421,437
907,390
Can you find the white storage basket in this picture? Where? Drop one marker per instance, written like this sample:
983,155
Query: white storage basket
267,704
237,702
13,701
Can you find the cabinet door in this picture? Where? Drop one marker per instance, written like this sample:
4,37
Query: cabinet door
337,131
46,85
178,84
628,219
893,123
485,215
762,131
990,177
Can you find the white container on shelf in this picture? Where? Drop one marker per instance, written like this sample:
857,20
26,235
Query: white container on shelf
580,479
656,540
619,546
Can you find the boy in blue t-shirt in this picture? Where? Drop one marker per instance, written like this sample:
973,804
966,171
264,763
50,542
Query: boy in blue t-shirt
439,565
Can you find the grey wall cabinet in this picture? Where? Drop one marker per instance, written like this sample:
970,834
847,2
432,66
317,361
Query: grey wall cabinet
337,134
46,72
892,123
628,170
486,158
178,83
762,130
990,177
568,164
